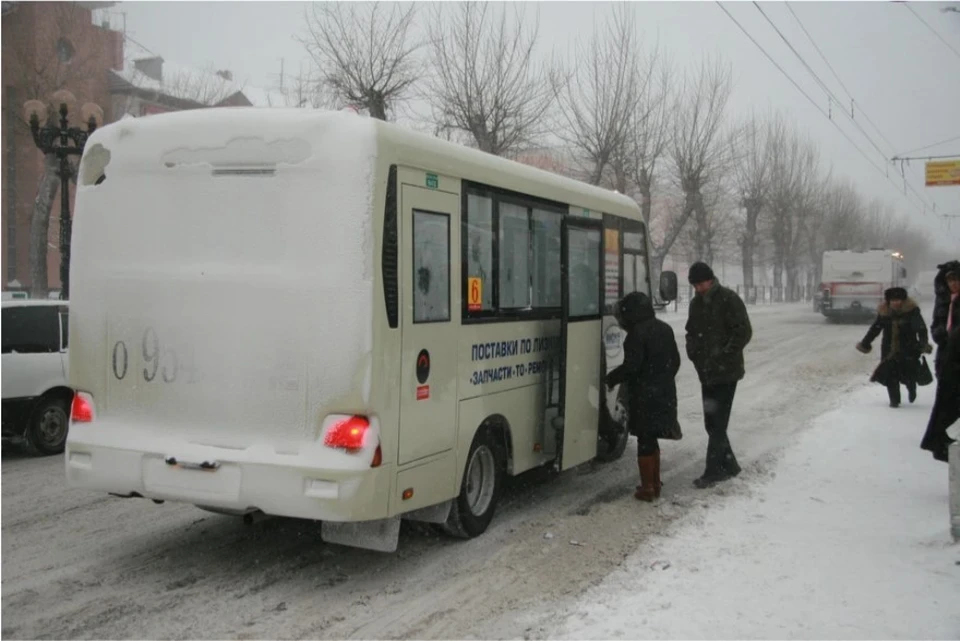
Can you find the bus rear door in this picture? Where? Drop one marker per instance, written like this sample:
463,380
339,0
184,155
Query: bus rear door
581,378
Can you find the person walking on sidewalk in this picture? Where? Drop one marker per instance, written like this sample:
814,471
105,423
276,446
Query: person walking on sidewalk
946,406
946,308
649,370
904,340
718,330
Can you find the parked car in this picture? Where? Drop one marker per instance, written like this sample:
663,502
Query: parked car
36,398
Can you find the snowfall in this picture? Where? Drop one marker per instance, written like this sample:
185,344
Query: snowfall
847,538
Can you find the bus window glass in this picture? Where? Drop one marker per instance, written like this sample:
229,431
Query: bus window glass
479,233
431,267
584,272
633,241
514,257
640,269
546,259
629,274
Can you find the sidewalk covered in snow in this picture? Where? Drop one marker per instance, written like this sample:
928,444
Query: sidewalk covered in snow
849,538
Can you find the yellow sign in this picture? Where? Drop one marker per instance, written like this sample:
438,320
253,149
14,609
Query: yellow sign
943,172
474,294
612,241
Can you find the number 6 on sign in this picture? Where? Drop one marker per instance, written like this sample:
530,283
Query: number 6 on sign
474,294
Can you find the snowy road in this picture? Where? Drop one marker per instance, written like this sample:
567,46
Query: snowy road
83,565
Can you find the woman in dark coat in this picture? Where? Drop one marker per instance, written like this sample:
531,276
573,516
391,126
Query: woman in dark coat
650,364
946,288
946,407
904,340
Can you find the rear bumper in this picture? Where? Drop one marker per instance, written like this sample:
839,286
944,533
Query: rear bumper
844,306
291,485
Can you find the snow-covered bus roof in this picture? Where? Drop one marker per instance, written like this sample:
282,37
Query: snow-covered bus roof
250,137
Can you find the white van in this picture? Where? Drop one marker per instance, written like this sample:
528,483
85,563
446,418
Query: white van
36,397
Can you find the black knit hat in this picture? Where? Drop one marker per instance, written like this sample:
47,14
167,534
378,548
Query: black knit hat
895,293
700,272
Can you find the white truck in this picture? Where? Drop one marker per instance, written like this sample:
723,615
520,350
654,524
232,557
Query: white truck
853,282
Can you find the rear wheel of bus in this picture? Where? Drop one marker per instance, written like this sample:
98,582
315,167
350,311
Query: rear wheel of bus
483,478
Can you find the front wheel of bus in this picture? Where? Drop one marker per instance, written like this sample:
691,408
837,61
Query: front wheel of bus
612,439
473,509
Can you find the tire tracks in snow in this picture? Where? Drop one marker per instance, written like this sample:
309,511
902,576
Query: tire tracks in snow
77,565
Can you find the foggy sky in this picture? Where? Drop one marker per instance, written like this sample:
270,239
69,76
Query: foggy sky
905,80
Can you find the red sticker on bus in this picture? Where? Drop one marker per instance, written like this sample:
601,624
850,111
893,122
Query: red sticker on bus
423,392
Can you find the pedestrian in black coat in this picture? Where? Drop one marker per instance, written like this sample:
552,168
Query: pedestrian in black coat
946,407
650,364
946,288
718,330
904,340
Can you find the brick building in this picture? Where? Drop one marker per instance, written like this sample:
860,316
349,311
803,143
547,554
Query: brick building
46,46
57,45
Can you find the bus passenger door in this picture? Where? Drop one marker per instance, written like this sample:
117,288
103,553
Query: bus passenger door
430,232
581,378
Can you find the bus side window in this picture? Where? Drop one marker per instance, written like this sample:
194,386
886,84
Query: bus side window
431,264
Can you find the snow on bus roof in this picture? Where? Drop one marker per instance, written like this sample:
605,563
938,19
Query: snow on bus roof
180,133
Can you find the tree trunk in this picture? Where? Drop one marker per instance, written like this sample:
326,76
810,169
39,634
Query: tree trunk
748,243
746,263
40,226
646,201
377,105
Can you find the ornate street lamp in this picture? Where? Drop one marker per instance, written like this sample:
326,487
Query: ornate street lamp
64,141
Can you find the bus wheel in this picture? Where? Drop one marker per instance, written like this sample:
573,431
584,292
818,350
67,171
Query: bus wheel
611,446
480,490
612,439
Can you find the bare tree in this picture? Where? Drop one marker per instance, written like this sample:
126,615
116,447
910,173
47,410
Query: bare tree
364,53
485,80
649,136
207,86
842,225
751,155
39,67
598,100
699,150
718,233
793,176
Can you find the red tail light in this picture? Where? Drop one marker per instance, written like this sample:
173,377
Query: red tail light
377,458
349,434
82,409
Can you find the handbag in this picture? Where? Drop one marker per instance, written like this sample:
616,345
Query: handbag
924,377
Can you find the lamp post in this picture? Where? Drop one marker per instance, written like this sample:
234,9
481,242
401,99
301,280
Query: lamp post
64,141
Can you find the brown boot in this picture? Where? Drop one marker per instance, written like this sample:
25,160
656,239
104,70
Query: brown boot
648,476
658,484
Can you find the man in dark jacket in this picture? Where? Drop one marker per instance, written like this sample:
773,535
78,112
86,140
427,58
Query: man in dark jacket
718,330
946,407
904,340
946,309
650,364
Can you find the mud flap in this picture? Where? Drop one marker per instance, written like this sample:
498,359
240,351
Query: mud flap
433,514
380,536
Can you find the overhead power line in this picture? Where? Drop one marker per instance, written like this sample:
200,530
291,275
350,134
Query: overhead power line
925,147
836,76
833,96
800,89
932,30
925,157
809,99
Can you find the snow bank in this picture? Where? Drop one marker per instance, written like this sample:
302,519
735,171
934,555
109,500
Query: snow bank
850,539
